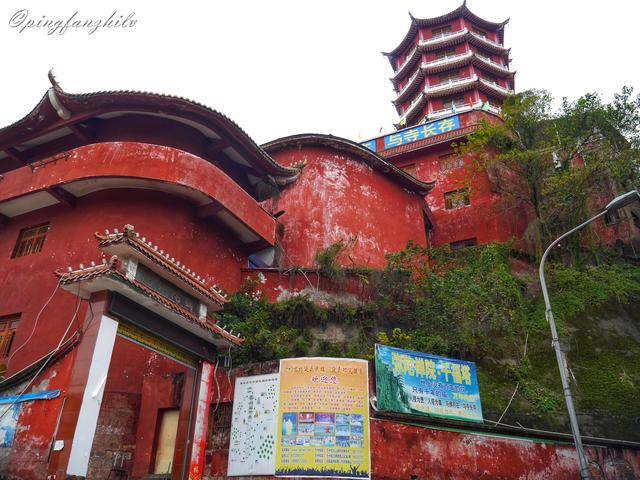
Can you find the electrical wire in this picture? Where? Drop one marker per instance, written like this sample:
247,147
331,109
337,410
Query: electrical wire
215,377
44,364
35,324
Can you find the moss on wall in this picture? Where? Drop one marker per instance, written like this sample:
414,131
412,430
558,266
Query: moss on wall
472,305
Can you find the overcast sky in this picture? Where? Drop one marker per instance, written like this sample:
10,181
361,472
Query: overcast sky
283,67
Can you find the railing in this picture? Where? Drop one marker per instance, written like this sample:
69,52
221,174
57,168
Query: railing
447,59
450,83
449,111
417,100
406,60
406,87
463,108
487,40
496,64
440,38
495,86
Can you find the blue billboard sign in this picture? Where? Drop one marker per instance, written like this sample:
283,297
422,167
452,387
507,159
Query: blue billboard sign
423,384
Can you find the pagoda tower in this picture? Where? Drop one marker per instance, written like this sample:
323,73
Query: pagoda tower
450,64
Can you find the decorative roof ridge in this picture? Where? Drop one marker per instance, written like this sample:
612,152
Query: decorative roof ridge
72,275
109,268
130,236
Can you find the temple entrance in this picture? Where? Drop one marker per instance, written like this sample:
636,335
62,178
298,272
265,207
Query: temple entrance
145,415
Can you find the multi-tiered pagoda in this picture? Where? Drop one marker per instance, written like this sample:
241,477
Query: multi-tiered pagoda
452,63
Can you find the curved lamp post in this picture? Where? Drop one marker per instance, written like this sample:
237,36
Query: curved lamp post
616,204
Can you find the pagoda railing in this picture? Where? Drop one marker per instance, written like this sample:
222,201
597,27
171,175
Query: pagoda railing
495,86
462,108
450,83
413,105
492,62
446,60
407,60
406,87
443,37
487,40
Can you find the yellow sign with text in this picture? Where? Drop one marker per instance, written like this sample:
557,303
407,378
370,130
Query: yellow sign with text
323,420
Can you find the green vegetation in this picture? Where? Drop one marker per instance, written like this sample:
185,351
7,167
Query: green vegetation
471,304
561,164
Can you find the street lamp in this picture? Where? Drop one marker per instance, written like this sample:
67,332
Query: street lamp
615,204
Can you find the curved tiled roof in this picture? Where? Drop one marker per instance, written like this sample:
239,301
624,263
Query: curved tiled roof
46,116
397,175
461,11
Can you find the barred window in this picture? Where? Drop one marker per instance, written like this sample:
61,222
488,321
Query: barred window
31,240
219,426
458,101
441,32
8,327
477,31
447,52
457,198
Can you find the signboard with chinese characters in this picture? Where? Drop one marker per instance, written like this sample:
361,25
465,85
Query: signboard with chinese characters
371,145
420,132
422,384
253,426
323,421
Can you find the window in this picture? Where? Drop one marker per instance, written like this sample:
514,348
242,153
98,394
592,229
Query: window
8,327
30,240
450,162
458,101
448,52
457,198
469,242
219,426
441,32
410,169
449,77
479,32
165,288
490,78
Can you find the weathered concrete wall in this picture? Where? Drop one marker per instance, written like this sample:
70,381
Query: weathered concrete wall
340,197
400,450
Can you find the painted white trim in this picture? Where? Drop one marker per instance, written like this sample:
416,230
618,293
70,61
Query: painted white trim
92,398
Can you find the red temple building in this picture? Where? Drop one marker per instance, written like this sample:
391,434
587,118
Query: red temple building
128,218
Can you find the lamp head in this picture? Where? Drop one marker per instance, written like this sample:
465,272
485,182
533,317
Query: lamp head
623,200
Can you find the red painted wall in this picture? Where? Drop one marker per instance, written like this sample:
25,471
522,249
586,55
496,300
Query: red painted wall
28,456
488,218
404,451
167,221
339,197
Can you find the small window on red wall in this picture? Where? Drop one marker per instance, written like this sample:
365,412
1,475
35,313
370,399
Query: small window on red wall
8,327
31,240
457,198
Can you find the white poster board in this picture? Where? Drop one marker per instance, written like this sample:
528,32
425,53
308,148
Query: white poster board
253,426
